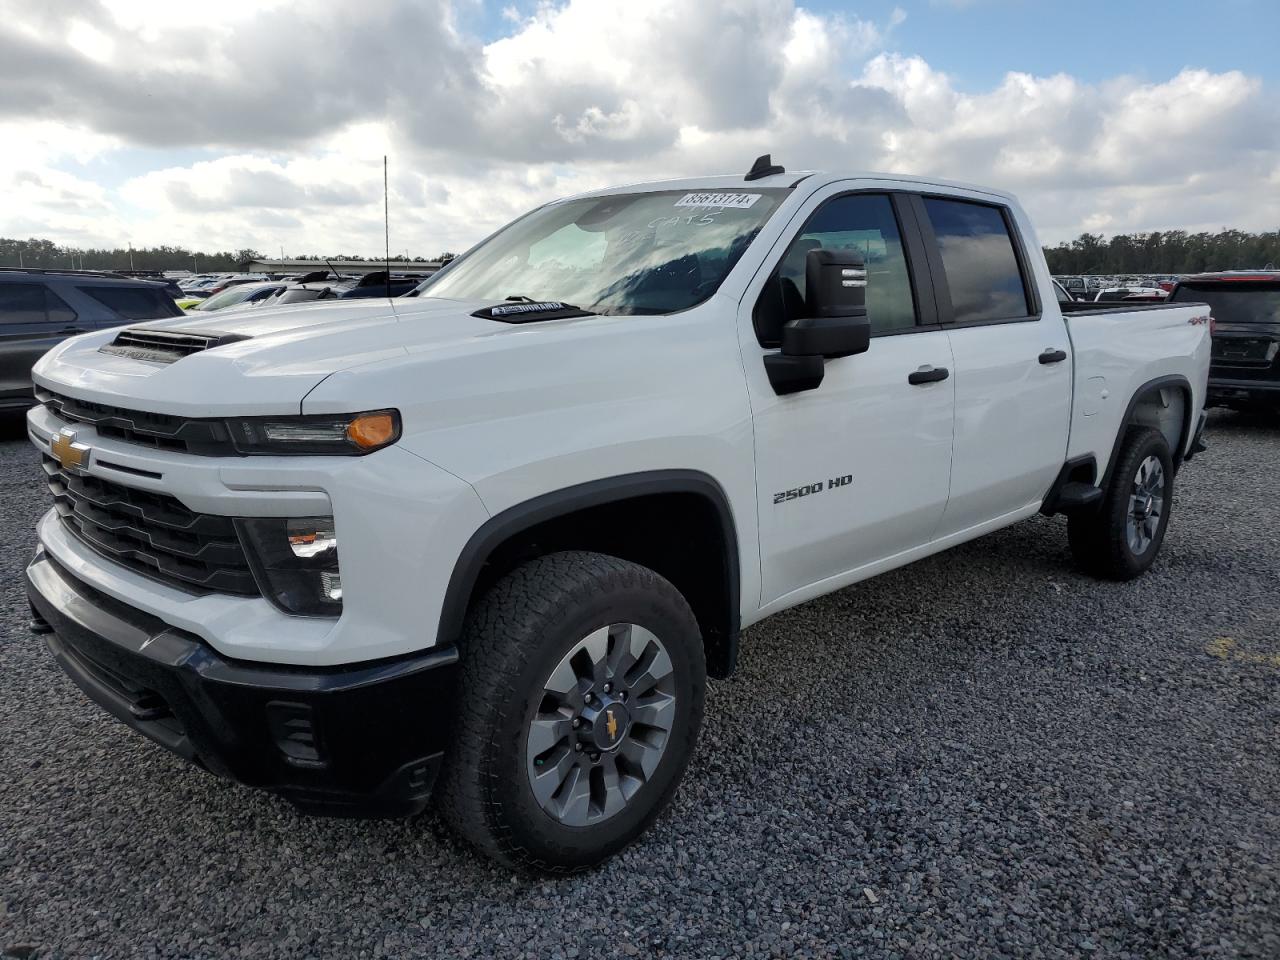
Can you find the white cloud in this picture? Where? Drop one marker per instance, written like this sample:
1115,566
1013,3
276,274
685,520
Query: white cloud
294,106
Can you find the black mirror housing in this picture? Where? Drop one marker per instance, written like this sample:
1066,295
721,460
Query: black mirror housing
828,337
836,304
835,283
836,326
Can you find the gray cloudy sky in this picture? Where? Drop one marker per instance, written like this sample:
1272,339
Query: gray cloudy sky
263,123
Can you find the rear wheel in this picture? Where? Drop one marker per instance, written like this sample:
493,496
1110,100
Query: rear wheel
1120,540
582,688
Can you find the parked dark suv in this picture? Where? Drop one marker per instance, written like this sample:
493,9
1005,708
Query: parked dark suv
1246,342
39,308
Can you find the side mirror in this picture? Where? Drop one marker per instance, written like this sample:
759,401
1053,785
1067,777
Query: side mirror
836,325
827,337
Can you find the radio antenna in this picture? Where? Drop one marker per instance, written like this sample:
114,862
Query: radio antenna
386,222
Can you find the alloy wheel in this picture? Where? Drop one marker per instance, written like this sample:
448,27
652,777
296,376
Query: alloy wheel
1146,505
602,724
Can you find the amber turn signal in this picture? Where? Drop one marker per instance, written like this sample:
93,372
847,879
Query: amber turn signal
372,430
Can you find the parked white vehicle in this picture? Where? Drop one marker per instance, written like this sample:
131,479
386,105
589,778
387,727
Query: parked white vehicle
492,539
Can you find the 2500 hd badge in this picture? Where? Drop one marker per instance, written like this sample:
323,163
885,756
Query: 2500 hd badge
795,493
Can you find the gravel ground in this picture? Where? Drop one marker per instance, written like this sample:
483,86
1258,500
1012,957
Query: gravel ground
982,755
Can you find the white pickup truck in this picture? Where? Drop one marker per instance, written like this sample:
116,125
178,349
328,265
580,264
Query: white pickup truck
487,542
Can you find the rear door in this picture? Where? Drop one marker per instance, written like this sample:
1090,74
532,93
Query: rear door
1012,361
33,319
854,471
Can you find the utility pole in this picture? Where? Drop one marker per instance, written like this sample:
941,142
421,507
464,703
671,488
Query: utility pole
131,255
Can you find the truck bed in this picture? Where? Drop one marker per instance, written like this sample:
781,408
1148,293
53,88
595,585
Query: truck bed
1077,308
1122,348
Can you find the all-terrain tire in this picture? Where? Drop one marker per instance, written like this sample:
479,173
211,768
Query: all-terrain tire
1103,540
512,642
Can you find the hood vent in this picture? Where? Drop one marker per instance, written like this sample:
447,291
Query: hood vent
165,346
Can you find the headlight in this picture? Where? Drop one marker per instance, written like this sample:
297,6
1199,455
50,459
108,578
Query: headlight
351,434
295,561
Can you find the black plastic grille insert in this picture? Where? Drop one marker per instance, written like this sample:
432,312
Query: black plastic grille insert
152,533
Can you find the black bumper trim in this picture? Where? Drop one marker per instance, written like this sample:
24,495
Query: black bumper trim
1225,390
374,733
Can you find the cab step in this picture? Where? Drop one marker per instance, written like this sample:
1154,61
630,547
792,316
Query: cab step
1075,495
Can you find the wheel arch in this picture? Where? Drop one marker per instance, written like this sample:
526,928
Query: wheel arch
1150,397
616,515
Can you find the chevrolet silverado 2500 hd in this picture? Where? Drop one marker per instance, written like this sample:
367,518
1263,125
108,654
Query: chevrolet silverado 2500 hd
489,541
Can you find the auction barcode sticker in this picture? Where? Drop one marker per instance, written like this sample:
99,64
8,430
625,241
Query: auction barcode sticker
738,201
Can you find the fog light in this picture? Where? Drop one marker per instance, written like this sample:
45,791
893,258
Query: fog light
311,537
331,585
295,561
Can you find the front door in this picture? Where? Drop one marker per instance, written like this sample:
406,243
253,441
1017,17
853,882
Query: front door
855,471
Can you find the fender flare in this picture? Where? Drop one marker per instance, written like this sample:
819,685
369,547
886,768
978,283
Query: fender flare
559,503
1172,380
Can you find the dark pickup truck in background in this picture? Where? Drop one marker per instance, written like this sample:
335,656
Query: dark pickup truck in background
1245,373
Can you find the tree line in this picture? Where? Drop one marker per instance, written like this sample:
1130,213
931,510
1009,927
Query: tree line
46,254
1171,251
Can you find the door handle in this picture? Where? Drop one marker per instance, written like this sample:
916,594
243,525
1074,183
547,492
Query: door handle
1053,356
927,374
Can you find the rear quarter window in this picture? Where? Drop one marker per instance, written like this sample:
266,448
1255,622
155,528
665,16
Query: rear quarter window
134,303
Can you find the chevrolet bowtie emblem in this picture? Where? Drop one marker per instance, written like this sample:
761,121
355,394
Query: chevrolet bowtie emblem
611,725
71,455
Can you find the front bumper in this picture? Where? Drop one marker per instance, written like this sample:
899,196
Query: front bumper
363,740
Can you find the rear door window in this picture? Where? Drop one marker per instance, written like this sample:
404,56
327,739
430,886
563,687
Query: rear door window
23,303
980,261
135,303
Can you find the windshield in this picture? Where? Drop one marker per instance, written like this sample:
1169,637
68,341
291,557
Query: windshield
637,253
226,298
1239,301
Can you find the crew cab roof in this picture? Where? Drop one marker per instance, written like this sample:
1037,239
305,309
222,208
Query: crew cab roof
792,178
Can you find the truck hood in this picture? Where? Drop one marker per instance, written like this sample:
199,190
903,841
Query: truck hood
277,355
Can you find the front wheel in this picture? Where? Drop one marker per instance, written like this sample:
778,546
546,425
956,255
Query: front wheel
1120,540
582,689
